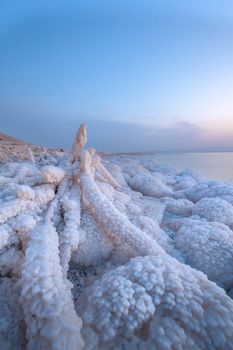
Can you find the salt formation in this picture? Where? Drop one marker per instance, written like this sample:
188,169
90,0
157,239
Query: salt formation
208,247
4,235
69,237
114,224
25,192
180,207
46,299
149,186
52,174
113,252
31,156
156,303
79,142
105,172
215,209
24,224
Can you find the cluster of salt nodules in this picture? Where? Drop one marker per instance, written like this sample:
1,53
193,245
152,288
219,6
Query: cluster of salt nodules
29,201
51,174
4,235
143,230
208,246
25,192
156,302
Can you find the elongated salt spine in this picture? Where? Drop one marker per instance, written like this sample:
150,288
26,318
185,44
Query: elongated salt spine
69,237
114,224
105,172
46,297
31,155
79,143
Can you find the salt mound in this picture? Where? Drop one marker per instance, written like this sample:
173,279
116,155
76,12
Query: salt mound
215,209
156,302
149,186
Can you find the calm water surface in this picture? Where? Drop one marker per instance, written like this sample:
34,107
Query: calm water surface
213,165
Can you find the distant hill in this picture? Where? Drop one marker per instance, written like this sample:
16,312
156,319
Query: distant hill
12,149
8,138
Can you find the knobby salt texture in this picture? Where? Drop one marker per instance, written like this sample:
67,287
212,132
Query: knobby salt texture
131,235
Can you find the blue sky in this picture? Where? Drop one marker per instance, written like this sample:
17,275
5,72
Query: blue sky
145,75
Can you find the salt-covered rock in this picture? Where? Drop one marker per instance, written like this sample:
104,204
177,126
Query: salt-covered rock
24,225
209,189
208,247
4,235
149,186
52,174
156,302
215,209
12,320
11,262
25,192
4,180
182,207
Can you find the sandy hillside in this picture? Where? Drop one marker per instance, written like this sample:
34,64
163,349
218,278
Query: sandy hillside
12,148
8,138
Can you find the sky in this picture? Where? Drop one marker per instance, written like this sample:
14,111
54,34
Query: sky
144,75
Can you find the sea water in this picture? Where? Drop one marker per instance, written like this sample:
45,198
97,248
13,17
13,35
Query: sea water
217,165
